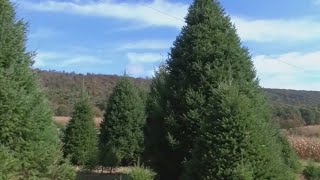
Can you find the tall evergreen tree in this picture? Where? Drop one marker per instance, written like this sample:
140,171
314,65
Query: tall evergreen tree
26,127
235,142
122,127
207,52
80,140
156,146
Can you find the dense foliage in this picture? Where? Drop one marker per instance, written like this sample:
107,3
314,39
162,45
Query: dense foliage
122,126
200,129
80,139
235,143
27,133
9,164
312,172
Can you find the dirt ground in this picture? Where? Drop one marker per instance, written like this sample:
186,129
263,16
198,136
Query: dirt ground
63,120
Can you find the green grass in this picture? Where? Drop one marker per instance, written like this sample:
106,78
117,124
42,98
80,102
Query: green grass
307,162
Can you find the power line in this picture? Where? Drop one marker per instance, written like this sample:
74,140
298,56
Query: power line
163,13
289,64
297,67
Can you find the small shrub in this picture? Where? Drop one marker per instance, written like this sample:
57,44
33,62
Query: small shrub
63,170
312,172
140,173
110,159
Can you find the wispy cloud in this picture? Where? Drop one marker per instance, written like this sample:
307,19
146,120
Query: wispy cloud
143,57
294,70
140,12
43,32
54,59
147,44
268,30
259,30
316,2
135,70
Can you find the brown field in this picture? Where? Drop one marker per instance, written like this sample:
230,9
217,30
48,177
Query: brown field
63,120
306,147
308,131
305,141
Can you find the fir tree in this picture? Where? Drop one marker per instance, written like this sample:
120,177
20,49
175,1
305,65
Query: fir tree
156,146
122,126
207,52
26,127
80,140
234,143
9,164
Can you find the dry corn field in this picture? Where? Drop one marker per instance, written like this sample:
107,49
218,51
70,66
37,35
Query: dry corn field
306,147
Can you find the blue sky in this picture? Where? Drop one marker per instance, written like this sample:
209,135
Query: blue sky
113,36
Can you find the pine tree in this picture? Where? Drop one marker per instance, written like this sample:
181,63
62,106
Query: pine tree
26,127
234,143
207,52
80,140
156,146
122,126
9,164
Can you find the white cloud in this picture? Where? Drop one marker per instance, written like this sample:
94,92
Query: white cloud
295,70
41,33
299,61
147,44
259,30
150,73
141,12
135,70
53,59
144,57
268,30
316,2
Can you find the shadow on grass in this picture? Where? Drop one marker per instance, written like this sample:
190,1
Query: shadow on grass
99,176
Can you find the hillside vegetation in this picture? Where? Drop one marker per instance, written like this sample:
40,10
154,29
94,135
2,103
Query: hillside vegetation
291,108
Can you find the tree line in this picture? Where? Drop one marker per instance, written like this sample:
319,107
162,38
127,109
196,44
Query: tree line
204,117
290,108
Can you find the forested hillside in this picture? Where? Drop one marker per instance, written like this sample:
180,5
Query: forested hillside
62,89
293,108
290,108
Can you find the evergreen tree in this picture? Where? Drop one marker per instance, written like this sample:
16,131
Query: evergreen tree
80,141
9,164
207,52
156,146
122,126
26,126
234,143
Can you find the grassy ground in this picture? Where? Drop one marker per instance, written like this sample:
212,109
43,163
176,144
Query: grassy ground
119,173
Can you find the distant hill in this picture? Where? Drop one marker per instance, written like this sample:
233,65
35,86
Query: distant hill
62,89
290,108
